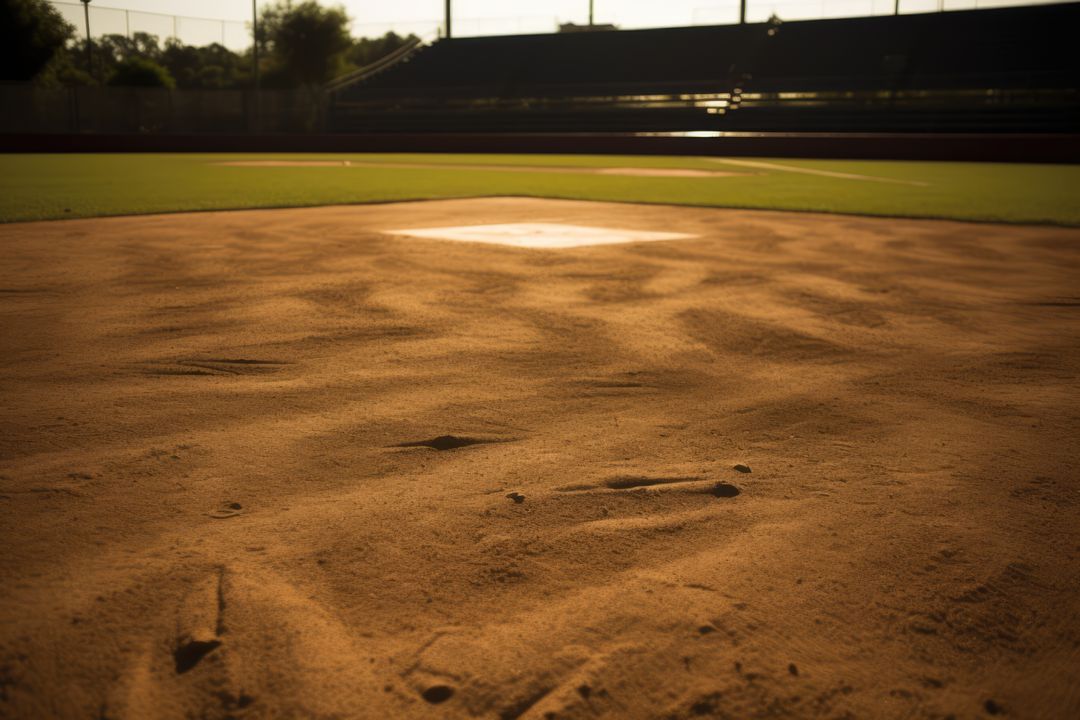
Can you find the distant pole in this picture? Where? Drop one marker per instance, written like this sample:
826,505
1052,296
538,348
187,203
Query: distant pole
896,8
449,32
255,61
590,13
89,44
255,42
742,12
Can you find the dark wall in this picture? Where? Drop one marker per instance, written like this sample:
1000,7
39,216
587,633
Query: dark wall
982,147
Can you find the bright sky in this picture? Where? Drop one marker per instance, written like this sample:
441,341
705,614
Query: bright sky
485,17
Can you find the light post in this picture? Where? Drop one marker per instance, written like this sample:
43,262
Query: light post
449,32
590,13
254,41
255,62
89,48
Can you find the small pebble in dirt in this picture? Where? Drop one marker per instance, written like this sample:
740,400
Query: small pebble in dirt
742,468
438,694
793,670
516,497
993,708
724,490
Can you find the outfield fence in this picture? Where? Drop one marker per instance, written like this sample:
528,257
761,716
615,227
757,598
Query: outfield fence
27,109
235,33
198,31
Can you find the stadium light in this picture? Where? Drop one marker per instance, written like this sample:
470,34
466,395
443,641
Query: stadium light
89,44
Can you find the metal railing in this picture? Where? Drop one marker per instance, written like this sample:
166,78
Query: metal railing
402,54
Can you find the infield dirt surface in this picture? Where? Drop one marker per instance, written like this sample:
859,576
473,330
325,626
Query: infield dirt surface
280,463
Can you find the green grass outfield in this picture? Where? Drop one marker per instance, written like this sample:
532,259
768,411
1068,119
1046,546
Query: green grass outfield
46,187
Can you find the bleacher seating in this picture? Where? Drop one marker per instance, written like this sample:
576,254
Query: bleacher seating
1003,70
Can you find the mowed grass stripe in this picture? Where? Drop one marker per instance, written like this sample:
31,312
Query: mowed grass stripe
47,187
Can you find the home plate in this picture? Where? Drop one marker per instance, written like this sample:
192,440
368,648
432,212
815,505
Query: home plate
540,235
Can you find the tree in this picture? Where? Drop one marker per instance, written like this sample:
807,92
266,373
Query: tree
141,72
212,66
32,32
117,48
303,45
307,42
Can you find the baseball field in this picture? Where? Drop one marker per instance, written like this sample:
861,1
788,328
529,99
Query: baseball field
538,437
49,187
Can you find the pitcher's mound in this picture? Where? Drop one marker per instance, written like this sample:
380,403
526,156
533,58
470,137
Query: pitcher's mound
541,235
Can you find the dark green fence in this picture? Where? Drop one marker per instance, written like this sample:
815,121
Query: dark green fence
29,109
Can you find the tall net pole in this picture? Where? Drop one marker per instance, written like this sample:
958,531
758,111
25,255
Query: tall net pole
89,43
255,61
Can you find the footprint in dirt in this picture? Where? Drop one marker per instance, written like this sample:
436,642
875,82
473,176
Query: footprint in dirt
448,442
227,510
208,653
633,482
629,482
214,366
189,652
199,624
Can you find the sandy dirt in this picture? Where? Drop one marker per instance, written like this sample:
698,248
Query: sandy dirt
278,464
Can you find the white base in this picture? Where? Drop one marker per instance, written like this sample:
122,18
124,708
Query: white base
540,235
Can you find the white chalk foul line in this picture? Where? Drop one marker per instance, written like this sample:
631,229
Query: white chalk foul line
809,171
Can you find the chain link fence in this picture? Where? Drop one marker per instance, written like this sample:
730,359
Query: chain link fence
625,15
198,31
236,34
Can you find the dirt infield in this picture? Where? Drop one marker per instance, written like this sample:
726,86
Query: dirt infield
283,464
